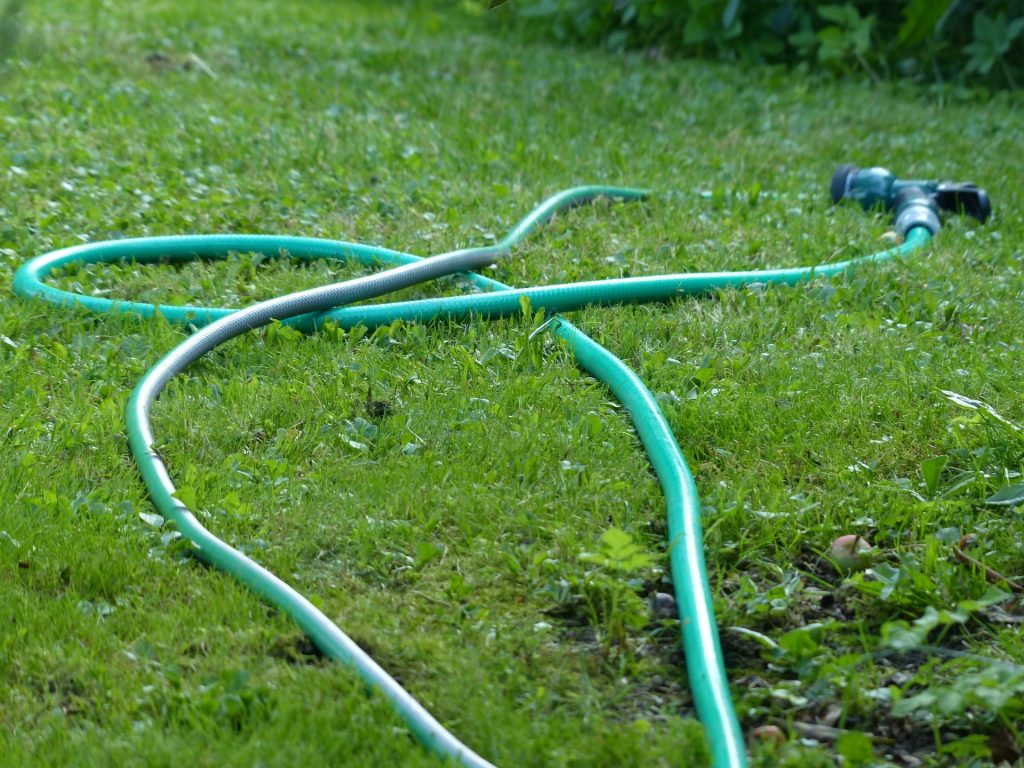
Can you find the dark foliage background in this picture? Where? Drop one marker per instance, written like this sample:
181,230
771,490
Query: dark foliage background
970,42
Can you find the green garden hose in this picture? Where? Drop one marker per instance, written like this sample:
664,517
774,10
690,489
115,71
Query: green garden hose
308,309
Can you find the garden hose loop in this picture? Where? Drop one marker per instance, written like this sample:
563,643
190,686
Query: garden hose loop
310,308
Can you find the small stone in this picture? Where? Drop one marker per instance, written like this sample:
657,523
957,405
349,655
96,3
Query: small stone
663,606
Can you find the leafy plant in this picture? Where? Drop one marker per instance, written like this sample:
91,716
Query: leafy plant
904,636
613,606
803,649
1006,444
992,40
619,553
931,471
773,602
987,694
848,35
908,585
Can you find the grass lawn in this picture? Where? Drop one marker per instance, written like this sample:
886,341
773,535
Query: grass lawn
444,529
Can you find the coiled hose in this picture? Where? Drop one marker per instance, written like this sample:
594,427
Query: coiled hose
308,309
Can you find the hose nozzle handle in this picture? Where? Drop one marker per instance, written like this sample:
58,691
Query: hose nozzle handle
963,198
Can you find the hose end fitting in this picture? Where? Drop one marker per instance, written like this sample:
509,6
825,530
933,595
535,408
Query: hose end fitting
916,208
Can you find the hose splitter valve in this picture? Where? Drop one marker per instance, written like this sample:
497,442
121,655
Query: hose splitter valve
916,203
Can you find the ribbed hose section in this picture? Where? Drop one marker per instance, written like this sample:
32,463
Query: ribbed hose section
501,302
705,667
308,309
312,300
